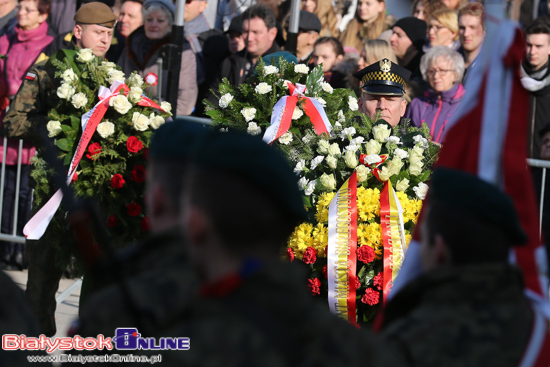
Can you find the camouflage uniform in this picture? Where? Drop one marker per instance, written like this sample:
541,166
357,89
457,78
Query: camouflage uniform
27,119
146,284
475,315
266,318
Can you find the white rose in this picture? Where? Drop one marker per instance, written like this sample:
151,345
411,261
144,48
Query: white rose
352,103
107,65
381,132
416,168
263,88
402,185
65,91
415,158
352,147
334,150
141,122
395,165
337,125
384,174
416,151
270,69
323,147
225,100
362,173
310,187
248,113
332,161
328,181
155,121
69,76
285,83
373,147
341,116
316,161
297,113
301,69
253,128
420,141
302,183
357,141
85,55
421,190
120,103
327,87
351,159
79,100
105,129
286,138
372,159
401,153
135,94
322,102
394,140
348,132
54,128
300,166
114,75
135,80
166,107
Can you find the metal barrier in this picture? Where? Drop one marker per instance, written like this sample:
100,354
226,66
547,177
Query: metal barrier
11,237
544,165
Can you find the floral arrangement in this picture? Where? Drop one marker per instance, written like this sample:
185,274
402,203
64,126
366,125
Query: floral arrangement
373,149
112,170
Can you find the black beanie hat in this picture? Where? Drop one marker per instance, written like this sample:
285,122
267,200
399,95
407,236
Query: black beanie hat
415,29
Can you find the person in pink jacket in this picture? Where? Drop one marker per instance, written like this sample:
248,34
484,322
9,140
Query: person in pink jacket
20,49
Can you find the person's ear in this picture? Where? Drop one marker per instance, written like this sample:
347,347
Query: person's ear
272,34
403,107
77,30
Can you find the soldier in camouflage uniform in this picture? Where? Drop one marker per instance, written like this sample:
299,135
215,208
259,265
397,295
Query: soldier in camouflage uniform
27,119
469,306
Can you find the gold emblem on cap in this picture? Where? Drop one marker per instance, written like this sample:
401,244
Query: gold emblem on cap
385,65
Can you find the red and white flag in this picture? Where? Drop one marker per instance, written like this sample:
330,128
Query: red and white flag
487,138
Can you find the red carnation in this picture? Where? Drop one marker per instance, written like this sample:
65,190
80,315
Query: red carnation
325,272
357,283
117,181
145,224
371,297
314,286
138,173
309,256
75,177
290,254
133,144
94,150
111,221
133,209
365,254
378,280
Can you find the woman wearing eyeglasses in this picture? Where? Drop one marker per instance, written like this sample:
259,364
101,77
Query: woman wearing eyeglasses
443,29
442,68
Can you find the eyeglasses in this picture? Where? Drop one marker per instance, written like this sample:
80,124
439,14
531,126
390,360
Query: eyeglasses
436,27
26,10
441,72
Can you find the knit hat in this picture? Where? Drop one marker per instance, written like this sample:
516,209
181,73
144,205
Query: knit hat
415,29
166,4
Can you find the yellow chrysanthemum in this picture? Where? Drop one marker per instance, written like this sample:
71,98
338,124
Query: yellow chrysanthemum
368,203
322,207
301,239
320,239
411,207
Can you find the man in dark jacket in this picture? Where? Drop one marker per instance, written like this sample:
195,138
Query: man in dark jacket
535,77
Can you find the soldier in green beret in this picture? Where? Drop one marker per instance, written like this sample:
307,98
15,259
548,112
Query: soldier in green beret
382,90
468,308
26,119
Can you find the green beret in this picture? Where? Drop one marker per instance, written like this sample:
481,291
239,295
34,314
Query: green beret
95,13
256,162
176,139
468,195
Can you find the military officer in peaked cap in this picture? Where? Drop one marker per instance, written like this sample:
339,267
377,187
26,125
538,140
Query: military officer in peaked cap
27,119
383,88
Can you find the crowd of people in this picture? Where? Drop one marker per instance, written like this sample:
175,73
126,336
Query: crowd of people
232,295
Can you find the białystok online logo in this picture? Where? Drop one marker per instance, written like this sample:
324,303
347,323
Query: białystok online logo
124,339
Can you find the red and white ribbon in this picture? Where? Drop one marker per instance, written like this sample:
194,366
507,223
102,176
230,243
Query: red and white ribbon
281,116
37,225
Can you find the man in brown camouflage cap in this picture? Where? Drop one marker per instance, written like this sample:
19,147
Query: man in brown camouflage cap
26,119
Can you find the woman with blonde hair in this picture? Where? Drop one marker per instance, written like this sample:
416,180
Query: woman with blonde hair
326,14
373,51
443,29
369,23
